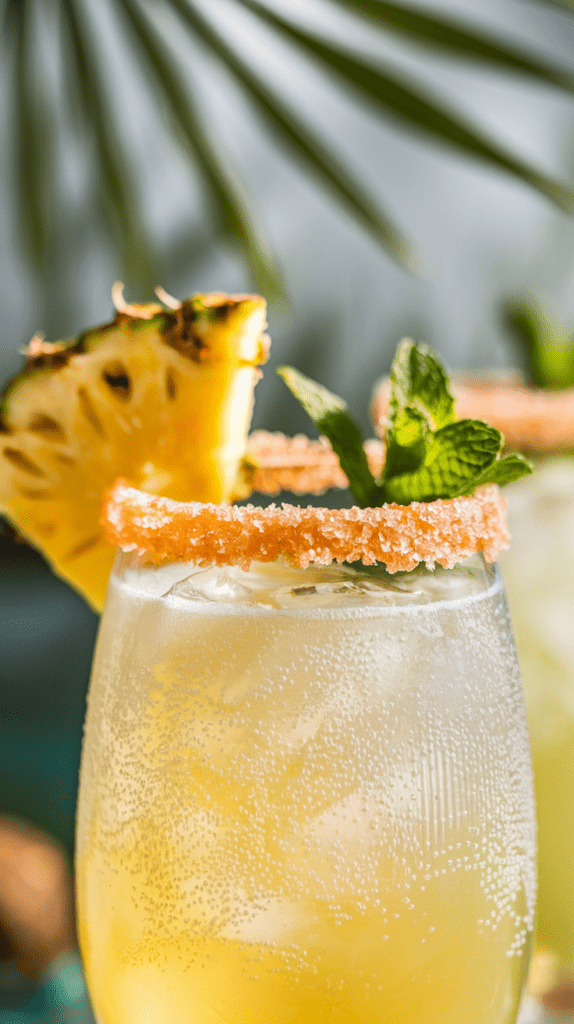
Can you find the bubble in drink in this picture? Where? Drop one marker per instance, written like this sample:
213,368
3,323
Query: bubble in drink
306,797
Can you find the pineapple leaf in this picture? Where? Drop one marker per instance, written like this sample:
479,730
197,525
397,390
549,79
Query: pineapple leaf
406,101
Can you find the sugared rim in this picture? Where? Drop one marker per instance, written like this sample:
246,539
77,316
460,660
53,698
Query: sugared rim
300,465
400,536
531,419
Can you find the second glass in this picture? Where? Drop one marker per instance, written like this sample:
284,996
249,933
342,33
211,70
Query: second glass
306,796
539,573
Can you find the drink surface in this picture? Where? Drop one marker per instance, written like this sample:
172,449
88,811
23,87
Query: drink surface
305,797
539,575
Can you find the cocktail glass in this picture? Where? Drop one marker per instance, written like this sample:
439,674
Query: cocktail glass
539,575
306,795
538,570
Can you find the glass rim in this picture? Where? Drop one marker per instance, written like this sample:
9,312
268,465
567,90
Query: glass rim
131,564
401,536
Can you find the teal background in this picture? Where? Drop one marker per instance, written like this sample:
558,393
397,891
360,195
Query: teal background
47,636
60,998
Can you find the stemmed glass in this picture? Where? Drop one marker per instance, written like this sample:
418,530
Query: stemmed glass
306,795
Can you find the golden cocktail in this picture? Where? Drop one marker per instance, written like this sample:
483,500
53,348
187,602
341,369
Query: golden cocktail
305,796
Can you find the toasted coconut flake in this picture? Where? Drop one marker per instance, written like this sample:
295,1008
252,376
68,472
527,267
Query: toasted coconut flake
401,536
299,465
531,419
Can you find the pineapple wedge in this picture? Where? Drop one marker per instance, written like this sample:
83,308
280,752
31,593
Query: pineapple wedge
162,397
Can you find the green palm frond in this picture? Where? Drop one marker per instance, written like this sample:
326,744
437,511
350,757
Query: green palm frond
450,35
34,140
411,105
569,4
308,148
210,158
365,78
116,180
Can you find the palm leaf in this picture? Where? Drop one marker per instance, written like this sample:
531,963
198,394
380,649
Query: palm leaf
34,136
229,205
451,36
568,4
391,94
118,186
308,148
407,103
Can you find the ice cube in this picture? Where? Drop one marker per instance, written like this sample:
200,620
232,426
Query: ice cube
281,586
276,922
215,584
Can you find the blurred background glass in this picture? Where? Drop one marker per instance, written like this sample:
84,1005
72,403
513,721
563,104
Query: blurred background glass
375,170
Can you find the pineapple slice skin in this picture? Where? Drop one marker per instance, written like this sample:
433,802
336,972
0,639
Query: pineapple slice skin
162,397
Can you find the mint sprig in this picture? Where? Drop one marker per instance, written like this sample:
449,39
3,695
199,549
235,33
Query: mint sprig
430,454
331,416
419,380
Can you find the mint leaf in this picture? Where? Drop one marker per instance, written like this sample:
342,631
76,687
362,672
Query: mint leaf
430,454
418,379
407,446
316,400
505,471
456,456
420,403
330,415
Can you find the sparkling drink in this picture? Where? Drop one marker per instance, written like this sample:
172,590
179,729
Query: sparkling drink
306,796
539,574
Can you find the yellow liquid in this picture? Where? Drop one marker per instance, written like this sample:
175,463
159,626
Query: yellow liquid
554,785
314,826
407,964
539,574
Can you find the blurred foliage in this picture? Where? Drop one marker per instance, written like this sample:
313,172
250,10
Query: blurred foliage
547,348
86,99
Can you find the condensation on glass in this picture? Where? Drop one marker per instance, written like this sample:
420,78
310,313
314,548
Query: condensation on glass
306,795
539,575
